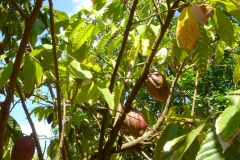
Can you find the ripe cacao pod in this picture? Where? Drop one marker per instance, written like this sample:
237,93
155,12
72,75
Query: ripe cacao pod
157,86
135,122
23,148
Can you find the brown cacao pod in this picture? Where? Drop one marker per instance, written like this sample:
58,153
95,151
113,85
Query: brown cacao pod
23,148
157,86
135,122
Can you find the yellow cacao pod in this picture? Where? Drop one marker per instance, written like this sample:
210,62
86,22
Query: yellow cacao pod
157,86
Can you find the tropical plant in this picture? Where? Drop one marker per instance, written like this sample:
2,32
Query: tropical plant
86,71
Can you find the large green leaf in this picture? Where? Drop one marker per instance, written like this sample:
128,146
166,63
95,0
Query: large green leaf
88,92
230,5
79,70
229,120
236,75
52,148
83,35
13,128
201,54
219,52
106,95
29,74
113,44
77,28
178,154
5,73
38,73
105,38
211,149
171,132
224,30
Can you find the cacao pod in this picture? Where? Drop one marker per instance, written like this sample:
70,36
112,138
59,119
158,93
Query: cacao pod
157,86
23,148
135,122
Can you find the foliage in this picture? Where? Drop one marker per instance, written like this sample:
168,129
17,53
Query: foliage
84,72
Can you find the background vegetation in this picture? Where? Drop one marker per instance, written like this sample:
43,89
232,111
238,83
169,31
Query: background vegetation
86,70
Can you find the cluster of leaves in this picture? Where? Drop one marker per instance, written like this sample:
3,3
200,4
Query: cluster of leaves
82,70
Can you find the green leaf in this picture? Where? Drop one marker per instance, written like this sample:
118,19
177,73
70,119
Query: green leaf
29,74
39,26
78,70
68,126
113,44
202,52
161,55
211,148
99,4
151,120
230,5
178,154
76,29
155,29
219,52
13,129
83,35
224,30
38,73
179,53
88,92
76,119
103,42
117,95
115,10
171,132
141,29
80,53
161,142
236,74
230,116
5,73
106,95
144,45
52,148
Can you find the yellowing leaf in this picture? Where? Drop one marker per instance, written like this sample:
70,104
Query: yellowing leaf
187,33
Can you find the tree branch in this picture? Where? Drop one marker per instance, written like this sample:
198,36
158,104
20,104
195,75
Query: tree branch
126,33
58,90
140,81
35,135
19,10
13,79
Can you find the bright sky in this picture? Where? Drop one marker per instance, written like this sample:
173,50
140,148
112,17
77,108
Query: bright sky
70,7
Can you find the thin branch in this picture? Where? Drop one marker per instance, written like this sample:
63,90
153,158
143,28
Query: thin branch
18,8
126,33
158,15
35,136
116,128
13,79
58,90
61,142
154,15
140,151
195,93
159,122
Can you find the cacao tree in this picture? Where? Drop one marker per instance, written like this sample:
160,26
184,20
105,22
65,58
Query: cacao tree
98,77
